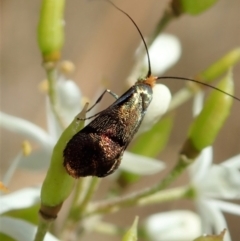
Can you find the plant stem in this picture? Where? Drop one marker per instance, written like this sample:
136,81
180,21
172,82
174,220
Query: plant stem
78,192
93,185
168,195
79,210
107,228
179,98
43,227
164,21
51,76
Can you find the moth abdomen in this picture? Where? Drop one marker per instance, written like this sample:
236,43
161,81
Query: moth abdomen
91,154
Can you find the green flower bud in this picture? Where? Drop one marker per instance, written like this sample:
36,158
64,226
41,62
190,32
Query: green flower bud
50,29
131,234
159,135
212,117
58,184
191,7
197,6
220,67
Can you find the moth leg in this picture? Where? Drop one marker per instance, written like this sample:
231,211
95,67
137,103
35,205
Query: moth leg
101,96
98,100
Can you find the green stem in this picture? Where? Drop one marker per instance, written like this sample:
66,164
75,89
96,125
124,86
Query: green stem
133,199
79,210
167,17
74,203
179,98
91,190
78,192
42,229
51,76
168,195
107,229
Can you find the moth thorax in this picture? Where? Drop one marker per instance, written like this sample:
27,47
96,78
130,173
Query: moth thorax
146,94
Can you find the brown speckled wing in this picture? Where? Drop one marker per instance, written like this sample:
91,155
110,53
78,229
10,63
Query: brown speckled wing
98,148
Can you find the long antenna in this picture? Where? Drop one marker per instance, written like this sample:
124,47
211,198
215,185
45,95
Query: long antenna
149,62
145,44
199,82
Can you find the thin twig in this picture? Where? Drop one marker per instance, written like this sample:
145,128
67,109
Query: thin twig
42,229
133,199
51,75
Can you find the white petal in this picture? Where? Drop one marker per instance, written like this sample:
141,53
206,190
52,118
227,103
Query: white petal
21,230
158,107
38,160
199,169
9,173
221,182
140,165
198,103
164,52
204,214
173,226
226,206
20,199
69,99
217,219
27,129
233,162
69,105
54,127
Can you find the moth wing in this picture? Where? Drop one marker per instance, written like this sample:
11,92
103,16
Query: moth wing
97,149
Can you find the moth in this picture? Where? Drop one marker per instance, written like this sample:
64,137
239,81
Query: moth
98,148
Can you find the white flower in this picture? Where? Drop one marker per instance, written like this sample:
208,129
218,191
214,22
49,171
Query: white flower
178,225
21,230
15,228
157,108
69,105
141,165
213,183
66,89
164,52
20,199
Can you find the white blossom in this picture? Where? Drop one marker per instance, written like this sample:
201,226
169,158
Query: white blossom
178,225
216,185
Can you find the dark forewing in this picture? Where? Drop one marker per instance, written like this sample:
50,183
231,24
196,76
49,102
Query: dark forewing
97,149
